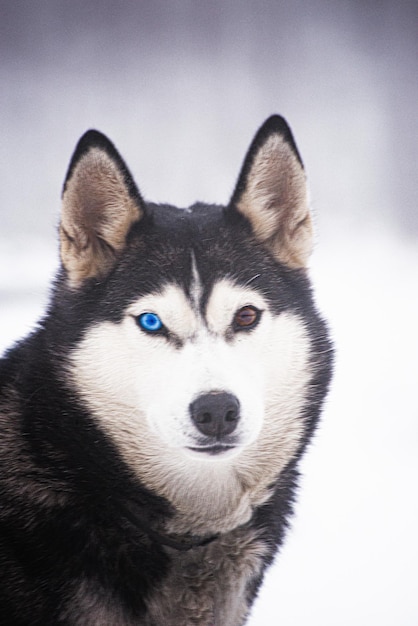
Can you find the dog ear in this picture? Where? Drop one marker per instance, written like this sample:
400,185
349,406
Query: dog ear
100,202
271,194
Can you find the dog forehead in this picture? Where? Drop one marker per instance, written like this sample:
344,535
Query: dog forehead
193,252
224,294
186,311
159,248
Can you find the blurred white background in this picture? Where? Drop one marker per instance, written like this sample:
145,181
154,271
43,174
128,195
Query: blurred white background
181,87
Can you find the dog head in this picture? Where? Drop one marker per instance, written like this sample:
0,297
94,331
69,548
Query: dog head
194,329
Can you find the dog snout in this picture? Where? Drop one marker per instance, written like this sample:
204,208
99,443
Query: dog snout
215,414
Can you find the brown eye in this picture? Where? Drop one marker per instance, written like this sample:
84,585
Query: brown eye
247,317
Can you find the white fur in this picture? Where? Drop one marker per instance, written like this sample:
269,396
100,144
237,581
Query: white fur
140,386
196,289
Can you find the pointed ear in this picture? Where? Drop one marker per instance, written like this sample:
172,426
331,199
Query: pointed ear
271,193
100,202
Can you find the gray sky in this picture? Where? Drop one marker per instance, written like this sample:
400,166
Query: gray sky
181,87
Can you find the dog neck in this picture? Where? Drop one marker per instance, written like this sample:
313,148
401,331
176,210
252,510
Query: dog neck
181,543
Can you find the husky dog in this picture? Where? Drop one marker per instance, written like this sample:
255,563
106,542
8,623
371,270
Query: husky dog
151,426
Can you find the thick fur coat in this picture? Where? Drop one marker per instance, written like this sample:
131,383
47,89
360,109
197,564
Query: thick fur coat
151,425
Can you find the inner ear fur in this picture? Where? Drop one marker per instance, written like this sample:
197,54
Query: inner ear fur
271,194
100,203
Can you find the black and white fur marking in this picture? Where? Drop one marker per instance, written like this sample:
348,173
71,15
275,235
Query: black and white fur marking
151,426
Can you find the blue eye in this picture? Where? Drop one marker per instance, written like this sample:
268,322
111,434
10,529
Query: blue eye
150,322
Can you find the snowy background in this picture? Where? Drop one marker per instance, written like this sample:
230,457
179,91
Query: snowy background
181,87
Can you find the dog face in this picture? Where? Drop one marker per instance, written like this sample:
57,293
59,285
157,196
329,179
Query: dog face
201,381
194,347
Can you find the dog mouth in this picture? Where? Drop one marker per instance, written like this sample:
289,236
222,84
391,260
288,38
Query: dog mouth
217,449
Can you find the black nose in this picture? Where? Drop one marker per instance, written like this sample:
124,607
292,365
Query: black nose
215,414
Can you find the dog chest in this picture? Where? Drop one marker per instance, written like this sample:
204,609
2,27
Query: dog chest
209,585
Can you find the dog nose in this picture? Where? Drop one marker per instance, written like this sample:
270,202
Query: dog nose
215,414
